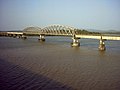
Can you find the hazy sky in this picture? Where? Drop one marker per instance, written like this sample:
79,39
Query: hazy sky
87,14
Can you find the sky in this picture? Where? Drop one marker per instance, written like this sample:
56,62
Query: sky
85,14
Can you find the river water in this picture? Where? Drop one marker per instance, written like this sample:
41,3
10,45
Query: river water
55,65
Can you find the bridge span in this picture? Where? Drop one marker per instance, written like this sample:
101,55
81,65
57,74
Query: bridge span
101,38
14,34
60,30
98,37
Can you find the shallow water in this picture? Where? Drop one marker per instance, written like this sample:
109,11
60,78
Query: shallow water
54,64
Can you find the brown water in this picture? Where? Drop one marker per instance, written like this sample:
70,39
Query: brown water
55,65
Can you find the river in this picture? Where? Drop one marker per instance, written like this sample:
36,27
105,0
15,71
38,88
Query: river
55,65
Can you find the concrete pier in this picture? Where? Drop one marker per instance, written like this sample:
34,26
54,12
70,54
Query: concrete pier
23,37
42,38
14,35
19,36
102,45
75,42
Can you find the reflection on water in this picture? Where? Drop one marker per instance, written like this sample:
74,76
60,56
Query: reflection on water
14,77
82,68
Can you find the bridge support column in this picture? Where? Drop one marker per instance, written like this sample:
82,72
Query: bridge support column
18,36
75,42
14,35
23,37
102,45
10,35
42,38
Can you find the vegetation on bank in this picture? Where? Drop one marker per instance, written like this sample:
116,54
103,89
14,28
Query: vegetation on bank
83,31
110,32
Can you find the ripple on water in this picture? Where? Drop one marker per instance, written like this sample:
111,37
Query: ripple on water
20,79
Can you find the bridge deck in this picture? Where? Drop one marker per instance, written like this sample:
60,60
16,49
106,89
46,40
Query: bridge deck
15,33
99,37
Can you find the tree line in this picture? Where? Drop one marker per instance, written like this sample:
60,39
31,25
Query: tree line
83,31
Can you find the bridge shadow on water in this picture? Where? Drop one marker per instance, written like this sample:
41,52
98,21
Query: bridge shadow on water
14,77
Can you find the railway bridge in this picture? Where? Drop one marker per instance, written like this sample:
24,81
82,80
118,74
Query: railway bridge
61,30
